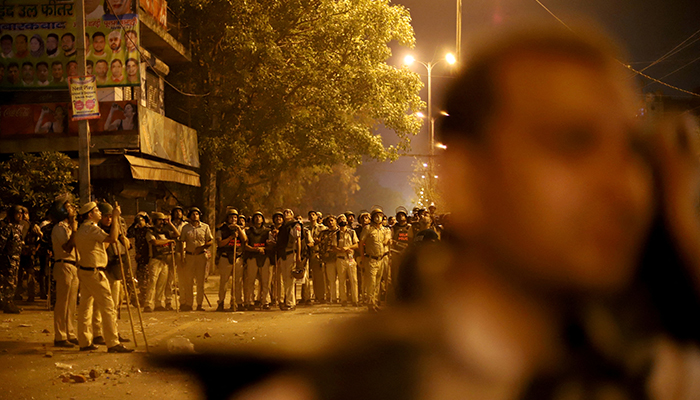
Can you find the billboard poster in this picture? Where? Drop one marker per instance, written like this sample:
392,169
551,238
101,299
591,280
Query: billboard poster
162,137
83,94
38,43
48,119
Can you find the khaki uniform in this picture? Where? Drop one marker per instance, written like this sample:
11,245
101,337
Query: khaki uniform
89,241
287,265
179,264
374,238
315,265
65,272
195,264
345,267
158,268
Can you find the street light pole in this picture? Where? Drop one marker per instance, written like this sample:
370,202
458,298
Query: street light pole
450,59
458,50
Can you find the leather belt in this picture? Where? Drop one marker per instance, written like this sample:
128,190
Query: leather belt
92,269
68,262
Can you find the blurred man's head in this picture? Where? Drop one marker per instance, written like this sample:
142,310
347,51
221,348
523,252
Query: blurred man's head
543,160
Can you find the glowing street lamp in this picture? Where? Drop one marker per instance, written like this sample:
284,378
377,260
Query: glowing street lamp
409,60
449,59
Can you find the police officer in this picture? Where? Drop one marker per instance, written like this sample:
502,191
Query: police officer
138,230
344,243
113,269
289,256
197,237
31,235
328,258
277,222
10,250
228,236
65,271
257,262
401,237
362,261
315,265
161,240
89,241
373,243
178,221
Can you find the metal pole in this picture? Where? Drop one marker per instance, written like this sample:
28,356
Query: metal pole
458,51
176,287
430,128
83,127
126,290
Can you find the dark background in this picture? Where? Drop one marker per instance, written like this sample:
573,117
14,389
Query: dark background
647,28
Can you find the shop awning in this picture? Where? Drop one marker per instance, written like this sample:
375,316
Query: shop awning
150,170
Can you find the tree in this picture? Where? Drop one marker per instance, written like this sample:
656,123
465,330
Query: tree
294,88
425,184
34,180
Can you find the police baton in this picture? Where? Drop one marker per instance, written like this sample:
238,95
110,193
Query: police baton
233,271
176,285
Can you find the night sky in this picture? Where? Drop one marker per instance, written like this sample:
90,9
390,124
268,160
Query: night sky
647,28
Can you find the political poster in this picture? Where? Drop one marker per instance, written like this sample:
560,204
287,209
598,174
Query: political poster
38,44
83,93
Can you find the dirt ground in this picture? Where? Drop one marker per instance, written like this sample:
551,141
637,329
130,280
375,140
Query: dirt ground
31,368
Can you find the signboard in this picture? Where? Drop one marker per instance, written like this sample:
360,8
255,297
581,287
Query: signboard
83,93
165,138
38,43
41,120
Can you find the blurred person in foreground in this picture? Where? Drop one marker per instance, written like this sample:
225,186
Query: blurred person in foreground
572,271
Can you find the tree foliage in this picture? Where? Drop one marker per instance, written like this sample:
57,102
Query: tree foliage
34,180
295,87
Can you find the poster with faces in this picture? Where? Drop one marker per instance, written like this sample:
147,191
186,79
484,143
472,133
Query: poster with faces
38,44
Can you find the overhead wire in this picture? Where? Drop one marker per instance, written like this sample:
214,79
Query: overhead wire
679,68
638,72
674,50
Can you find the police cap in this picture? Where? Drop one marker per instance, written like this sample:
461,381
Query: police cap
87,207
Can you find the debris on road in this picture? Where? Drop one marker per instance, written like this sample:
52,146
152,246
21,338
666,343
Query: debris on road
63,366
78,378
180,344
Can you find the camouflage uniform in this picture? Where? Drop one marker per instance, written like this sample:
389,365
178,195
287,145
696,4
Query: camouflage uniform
142,257
10,249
